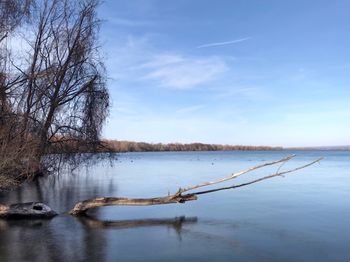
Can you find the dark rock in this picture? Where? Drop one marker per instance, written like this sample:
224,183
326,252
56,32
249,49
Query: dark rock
27,210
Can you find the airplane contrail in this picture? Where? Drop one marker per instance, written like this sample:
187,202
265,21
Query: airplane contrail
225,43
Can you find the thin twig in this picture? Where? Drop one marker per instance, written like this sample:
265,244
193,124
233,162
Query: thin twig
234,175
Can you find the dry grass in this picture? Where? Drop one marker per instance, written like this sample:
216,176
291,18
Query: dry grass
8,182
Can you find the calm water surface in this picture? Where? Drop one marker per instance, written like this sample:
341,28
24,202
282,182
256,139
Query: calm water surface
302,217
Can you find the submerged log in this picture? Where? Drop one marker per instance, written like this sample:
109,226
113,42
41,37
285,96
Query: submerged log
81,207
27,210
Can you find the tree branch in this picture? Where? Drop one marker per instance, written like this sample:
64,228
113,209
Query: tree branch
259,179
82,207
234,175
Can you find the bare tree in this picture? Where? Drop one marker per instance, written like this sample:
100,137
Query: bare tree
65,97
12,14
58,97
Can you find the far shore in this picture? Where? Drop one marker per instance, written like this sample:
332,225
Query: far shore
122,146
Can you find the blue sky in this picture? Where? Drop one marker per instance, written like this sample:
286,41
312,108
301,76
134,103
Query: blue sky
228,71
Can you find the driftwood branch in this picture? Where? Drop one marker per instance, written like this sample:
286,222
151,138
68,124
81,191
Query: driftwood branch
234,175
82,207
259,179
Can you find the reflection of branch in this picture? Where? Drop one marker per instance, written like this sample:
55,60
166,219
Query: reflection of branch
81,207
176,222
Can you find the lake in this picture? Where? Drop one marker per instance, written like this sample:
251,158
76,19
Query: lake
304,216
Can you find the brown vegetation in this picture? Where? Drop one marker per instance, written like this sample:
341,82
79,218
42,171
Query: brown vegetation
129,146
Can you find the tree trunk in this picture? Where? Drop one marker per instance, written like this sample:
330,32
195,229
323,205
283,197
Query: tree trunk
81,207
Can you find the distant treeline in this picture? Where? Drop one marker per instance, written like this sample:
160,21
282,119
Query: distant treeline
129,146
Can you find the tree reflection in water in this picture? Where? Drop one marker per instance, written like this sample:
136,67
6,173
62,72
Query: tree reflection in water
80,177
48,240
41,240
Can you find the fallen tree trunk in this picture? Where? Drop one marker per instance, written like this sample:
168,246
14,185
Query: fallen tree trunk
82,207
40,210
27,210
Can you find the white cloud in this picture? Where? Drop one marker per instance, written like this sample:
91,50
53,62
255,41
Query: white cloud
163,60
136,59
180,72
224,43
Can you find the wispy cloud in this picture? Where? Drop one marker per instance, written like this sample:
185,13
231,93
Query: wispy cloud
129,22
183,72
163,60
138,58
225,43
